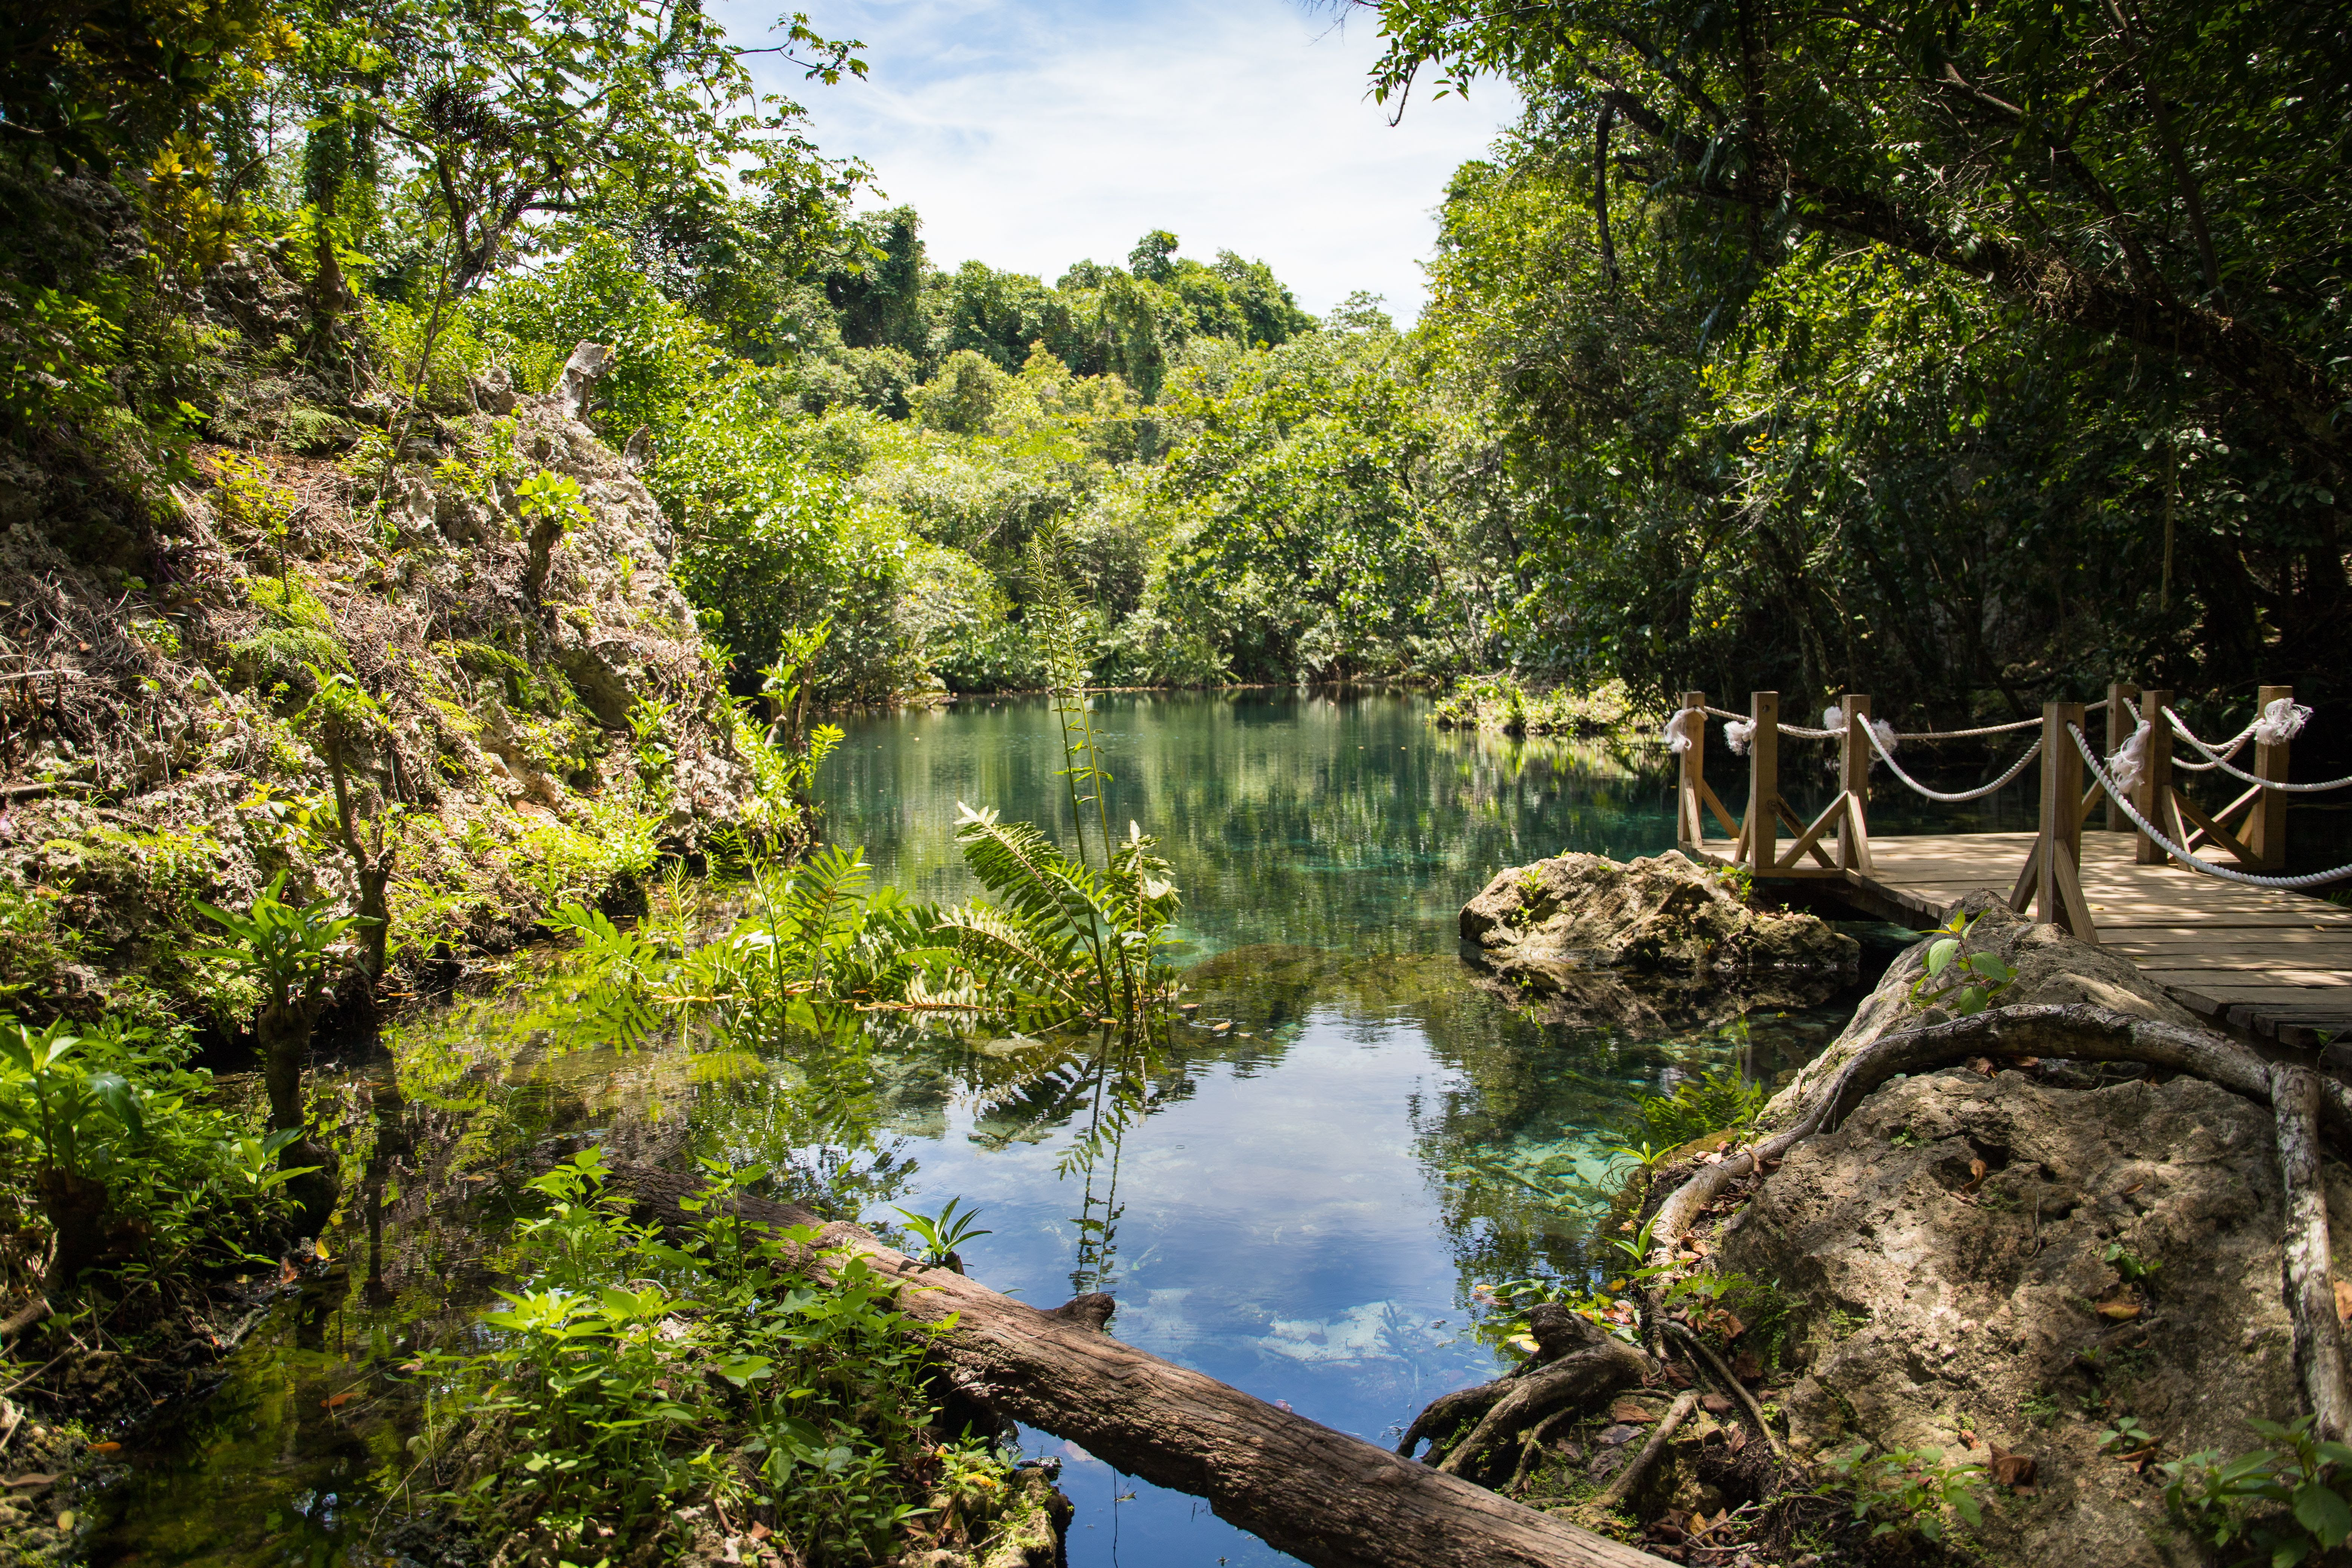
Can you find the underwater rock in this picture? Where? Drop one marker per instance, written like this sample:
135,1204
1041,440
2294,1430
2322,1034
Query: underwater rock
1650,941
2024,1264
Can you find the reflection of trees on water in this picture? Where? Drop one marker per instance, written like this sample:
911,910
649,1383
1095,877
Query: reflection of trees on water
1333,820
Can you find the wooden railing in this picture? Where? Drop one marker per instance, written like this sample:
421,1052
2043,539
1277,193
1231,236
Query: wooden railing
1836,842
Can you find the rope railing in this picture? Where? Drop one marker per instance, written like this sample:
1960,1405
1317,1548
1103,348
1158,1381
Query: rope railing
1983,730
1884,755
1804,733
2220,759
2121,797
1800,730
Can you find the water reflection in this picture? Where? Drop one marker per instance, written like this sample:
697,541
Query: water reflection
1296,1190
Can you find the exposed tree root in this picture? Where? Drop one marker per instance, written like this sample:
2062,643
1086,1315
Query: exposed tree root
1734,1387
2303,1102
2295,1099
1573,1380
1629,1475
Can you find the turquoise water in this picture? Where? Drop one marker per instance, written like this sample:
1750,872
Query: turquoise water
1301,1203
1303,1213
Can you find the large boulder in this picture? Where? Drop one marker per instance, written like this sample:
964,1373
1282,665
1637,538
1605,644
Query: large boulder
1664,913
1957,1256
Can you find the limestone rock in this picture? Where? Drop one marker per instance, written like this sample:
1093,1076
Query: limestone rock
1573,912
1926,1293
588,362
2051,967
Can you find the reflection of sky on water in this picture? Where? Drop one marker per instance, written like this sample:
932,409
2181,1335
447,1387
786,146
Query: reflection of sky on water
1300,1206
1302,1212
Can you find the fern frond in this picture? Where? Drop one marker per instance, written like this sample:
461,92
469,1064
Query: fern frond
1022,870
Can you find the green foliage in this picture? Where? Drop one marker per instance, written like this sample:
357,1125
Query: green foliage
283,946
2278,1505
108,1132
1064,943
1297,536
1901,1492
1962,983
944,1233
1501,702
1713,1102
633,1376
73,1116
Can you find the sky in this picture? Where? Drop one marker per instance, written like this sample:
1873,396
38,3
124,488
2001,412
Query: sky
1033,134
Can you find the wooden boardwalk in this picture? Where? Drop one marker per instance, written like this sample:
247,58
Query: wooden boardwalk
2271,963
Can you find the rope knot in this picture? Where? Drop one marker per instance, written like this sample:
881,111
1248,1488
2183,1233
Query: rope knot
1740,732
2281,720
2130,763
1684,729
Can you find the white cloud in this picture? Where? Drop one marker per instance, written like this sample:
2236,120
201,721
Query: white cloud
1030,135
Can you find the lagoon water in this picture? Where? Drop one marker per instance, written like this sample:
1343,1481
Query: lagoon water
1303,1204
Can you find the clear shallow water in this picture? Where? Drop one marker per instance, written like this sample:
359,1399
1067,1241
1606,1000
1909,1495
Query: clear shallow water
1300,1206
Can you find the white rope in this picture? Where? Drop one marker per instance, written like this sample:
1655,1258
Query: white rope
2230,748
2223,763
1884,755
1831,716
1684,729
1799,730
2196,863
1738,731
1972,734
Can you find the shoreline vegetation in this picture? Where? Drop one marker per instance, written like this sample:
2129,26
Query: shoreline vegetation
453,459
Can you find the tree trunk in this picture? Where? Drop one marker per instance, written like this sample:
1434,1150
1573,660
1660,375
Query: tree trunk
284,1033
2310,1284
76,1206
1333,1500
282,1030
375,913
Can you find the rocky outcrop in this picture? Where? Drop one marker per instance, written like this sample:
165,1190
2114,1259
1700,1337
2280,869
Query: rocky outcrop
1586,939
2049,965
534,729
1993,1261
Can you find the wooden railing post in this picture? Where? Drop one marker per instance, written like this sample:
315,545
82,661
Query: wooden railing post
1760,833
2265,832
2154,796
1690,814
1853,778
2058,886
2123,713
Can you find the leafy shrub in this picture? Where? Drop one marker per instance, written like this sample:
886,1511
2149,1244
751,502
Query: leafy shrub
2279,1505
633,1377
1901,1491
111,1145
1962,982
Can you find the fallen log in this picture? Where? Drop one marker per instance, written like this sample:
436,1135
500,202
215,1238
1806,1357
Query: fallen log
1333,1500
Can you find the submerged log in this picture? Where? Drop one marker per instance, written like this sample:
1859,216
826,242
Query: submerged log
1329,1499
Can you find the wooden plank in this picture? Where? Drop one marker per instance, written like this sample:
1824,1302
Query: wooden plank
2211,829
1810,838
2280,975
